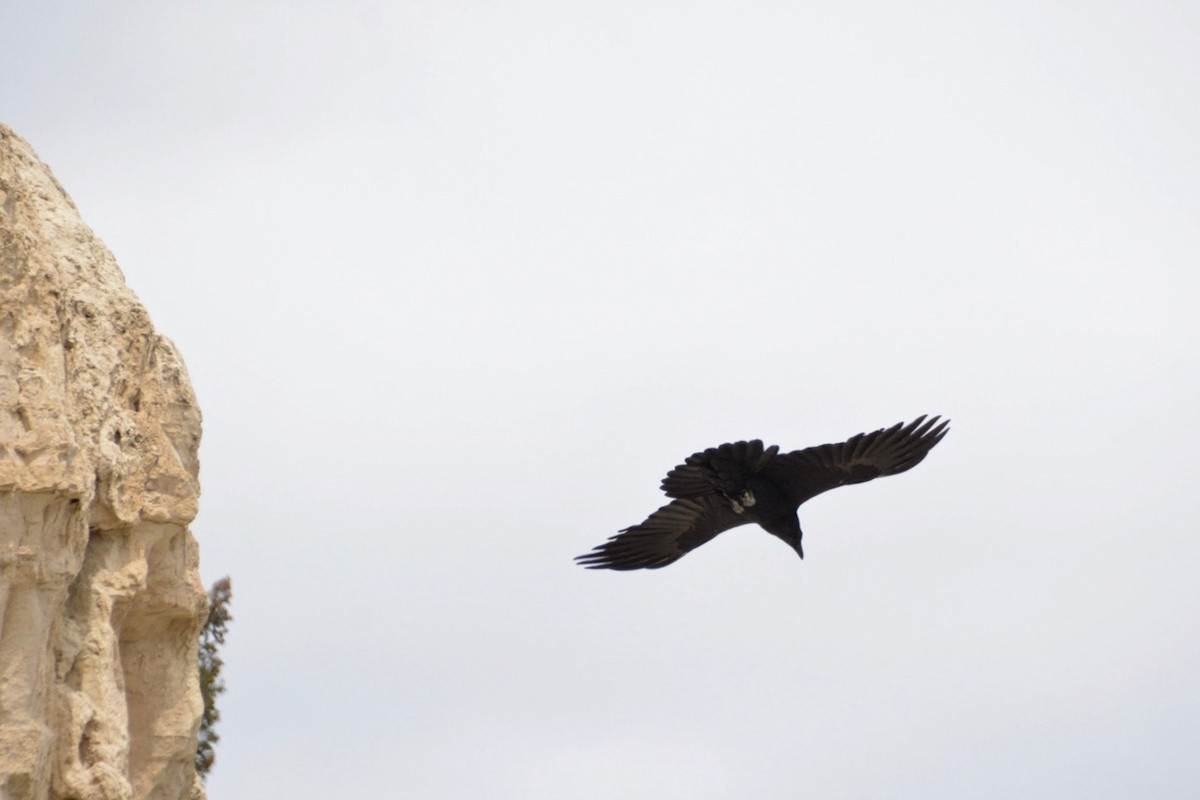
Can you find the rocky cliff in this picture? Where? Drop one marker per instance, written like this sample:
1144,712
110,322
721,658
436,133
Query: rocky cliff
100,596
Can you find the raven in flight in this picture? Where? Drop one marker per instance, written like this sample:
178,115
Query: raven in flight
736,484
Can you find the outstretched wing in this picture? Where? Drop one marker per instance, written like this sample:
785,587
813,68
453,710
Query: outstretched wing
716,469
667,535
804,474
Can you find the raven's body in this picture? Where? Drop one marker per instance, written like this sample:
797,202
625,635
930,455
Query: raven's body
740,483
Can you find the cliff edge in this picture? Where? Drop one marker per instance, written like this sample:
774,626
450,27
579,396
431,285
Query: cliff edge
100,595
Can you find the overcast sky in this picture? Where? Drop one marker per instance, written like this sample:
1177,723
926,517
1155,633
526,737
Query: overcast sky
457,283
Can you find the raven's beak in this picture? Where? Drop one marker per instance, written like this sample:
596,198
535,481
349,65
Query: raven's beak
789,531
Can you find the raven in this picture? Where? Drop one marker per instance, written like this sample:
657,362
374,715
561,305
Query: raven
736,484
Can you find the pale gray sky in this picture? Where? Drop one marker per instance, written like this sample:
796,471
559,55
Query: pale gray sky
457,283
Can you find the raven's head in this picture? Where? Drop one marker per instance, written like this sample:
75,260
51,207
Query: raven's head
788,529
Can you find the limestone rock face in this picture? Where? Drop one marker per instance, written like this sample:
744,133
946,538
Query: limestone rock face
100,595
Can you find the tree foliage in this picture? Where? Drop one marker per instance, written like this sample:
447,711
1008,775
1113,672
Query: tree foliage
212,636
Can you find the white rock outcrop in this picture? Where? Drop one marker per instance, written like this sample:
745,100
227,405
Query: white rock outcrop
100,595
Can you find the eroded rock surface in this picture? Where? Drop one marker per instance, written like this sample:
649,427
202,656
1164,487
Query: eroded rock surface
100,596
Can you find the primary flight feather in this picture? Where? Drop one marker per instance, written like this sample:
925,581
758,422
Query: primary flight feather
744,482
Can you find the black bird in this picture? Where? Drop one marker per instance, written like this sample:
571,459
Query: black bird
736,484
